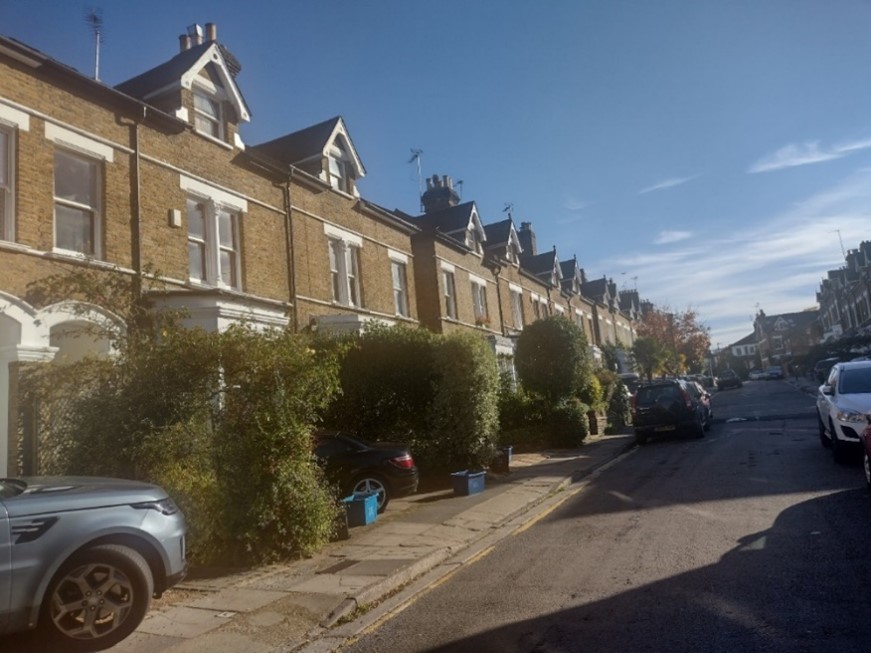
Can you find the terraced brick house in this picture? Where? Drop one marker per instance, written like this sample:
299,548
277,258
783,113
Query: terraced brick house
782,339
154,174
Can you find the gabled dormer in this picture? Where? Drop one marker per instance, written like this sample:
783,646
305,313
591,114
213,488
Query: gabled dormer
503,244
572,276
545,267
324,151
443,213
197,85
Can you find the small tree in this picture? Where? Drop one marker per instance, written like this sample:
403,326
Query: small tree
552,358
649,355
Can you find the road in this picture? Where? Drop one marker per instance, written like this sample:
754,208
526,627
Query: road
751,539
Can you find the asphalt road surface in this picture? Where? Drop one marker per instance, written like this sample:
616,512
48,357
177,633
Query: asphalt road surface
751,539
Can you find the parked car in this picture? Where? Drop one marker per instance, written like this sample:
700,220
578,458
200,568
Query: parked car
844,407
359,467
666,406
703,397
630,381
774,372
728,379
756,375
823,367
866,453
81,557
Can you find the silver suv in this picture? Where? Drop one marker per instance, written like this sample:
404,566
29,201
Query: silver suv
80,557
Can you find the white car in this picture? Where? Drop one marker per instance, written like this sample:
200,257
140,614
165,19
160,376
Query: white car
844,407
756,375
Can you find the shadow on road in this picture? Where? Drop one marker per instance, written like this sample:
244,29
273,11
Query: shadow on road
749,601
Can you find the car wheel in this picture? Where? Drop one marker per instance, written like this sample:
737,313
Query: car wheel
824,439
97,598
699,427
368,484
866,463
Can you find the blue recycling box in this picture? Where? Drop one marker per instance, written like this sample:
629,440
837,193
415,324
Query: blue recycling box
362,509
466,482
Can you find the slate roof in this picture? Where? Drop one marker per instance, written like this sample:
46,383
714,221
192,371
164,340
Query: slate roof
171,72
541,265
595,289
746,340
300,145
498,233
793,320
163,75
448,221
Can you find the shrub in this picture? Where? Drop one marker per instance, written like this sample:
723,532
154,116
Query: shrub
387,383
569,423
464,415
552,359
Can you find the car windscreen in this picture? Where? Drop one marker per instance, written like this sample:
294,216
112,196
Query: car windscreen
857,381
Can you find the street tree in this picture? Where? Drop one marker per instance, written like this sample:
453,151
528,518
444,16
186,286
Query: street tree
683,337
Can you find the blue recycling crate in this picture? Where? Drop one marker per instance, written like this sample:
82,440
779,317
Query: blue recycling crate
362,509
466,482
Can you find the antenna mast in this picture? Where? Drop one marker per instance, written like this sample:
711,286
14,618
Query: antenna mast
415,158
94,19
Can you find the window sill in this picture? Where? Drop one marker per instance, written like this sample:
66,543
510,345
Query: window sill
79,256
216,141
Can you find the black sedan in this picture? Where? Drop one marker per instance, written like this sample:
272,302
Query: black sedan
357,466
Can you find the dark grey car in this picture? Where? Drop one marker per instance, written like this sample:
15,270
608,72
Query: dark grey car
81,557
669,405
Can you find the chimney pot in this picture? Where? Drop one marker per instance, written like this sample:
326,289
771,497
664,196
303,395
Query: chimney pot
211,32
195,31
184,42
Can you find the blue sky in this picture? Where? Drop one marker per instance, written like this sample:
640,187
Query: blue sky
712,154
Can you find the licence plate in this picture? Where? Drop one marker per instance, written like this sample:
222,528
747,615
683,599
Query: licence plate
659,429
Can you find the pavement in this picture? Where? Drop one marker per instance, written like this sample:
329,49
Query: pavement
314,605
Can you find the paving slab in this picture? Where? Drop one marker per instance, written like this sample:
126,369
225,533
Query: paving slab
295,606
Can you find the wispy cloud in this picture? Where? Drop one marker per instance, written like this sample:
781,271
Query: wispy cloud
668,183
793,155
666,237
776,266
575,204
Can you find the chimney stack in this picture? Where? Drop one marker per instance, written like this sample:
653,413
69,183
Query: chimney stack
439,194
527,239
195,31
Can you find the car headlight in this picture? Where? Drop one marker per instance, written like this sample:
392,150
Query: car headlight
850,416
164,506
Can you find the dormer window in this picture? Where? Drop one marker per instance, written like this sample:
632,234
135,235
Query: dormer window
339,169
208,114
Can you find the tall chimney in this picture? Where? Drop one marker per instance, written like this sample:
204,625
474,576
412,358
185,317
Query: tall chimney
439,194
527,238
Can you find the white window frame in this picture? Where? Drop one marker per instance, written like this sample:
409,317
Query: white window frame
216,122
449,283
344,257
94,209
516,305
7,182
400,287
211,245
339,168
479,300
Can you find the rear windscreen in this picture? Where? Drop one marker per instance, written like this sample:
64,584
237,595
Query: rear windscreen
656,393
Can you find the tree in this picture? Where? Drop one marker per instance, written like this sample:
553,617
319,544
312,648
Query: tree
552,358
649,355
684,340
